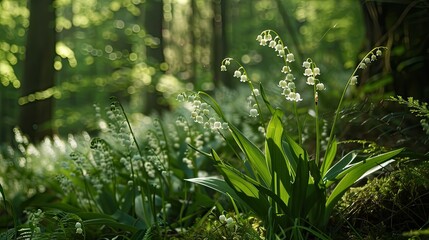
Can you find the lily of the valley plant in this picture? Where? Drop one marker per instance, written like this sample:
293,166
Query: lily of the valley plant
291,193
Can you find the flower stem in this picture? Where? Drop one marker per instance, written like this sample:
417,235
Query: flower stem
337,111
316,109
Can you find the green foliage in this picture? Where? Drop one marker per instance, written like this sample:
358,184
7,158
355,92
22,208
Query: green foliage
217,224
115,187
416,107
281,184
388,205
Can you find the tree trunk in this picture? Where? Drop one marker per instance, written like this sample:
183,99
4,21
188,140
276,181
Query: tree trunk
219,43
155,54
36,115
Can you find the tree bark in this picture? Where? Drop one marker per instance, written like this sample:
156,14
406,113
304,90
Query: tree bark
155,55
36,115
219,42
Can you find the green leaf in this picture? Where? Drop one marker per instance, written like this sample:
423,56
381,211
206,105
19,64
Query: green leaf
212,102
340,167
254,155
299,189
356,172
330,156
264,97
276,158
216,184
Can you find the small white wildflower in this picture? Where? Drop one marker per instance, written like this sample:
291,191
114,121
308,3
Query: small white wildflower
362,65
298,97
254,112
286,91
243,78
279,47
197,103
353,81
180,97
367,60
222,218
217,125
281,53
306,64
290,77
223,68
256,92
283,84
227,62
272,44
199,119
290,57
320,86
79,230
378,52
291,96
316,71
237,74
291,85
286,69
229,222
310,81
373,57
268,37
308,72
259,38
78,225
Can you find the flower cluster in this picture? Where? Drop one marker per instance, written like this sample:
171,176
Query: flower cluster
368,59
311,72
229,222
78,227
201,113
287,84
242,75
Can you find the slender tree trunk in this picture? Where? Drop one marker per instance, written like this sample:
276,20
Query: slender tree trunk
219,42
36,115
155,54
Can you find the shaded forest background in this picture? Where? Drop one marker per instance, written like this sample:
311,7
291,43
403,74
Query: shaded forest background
59,57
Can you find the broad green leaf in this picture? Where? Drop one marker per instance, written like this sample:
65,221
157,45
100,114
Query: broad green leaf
330,156
299,189
253,154
356,172
292,151
276,158
214,183
339,168
212,102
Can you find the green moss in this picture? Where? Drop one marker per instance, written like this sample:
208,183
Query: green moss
386,207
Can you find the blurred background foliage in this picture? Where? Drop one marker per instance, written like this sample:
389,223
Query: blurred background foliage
146,51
